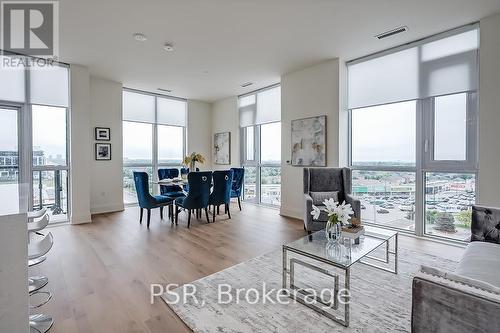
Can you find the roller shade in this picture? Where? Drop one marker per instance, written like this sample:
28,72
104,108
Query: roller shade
260,108
436,66
49,85
12,82
171,112
138,107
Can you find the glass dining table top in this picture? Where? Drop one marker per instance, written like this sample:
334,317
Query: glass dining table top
318,247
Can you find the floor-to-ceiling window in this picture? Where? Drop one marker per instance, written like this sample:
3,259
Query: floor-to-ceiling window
154,136
260,114
34,148
413,134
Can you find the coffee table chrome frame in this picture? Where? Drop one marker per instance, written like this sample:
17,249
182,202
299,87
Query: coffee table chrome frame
294,295
388,253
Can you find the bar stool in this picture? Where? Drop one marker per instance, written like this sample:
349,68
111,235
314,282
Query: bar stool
37,250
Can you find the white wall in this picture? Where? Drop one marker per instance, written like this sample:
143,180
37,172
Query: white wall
225,118
312,91
489,113
106,181
199,131
80,149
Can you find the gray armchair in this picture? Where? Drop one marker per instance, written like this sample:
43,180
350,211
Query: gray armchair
319,183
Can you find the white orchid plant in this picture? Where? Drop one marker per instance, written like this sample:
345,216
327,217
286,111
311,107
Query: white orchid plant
337,212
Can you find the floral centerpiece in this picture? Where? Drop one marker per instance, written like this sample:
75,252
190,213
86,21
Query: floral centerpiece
190,160
338,215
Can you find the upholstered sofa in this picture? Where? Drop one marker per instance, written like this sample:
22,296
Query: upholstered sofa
468,299
324,183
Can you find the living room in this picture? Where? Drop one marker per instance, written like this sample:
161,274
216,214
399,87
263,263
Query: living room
173,166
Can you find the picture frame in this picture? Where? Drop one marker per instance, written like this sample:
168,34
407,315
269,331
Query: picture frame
102,134
308,141
103,151
222,148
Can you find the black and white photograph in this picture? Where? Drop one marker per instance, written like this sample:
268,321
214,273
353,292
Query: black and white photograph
102,134
103,151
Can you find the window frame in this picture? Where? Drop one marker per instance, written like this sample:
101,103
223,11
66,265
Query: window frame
155,165
424,150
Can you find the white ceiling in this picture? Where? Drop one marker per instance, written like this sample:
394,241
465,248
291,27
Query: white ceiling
220,44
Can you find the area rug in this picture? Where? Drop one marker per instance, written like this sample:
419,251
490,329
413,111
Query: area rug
380,301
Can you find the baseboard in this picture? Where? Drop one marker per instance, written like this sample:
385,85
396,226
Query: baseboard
293,213
107,209
81,219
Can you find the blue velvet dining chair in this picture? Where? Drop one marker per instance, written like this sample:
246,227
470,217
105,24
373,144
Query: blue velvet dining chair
172,191
146,200
198,195
238,177
185,171
221,193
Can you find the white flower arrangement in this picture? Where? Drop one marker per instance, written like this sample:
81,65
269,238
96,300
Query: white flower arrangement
337,212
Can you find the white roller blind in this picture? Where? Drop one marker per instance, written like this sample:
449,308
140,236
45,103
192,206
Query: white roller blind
49,85
171,112
260,108
138,107
12,83
268,106
432,67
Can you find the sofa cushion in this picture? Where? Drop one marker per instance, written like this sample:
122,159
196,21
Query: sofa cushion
319,197
481,261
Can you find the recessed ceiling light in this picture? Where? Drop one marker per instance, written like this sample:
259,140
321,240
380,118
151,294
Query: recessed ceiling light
246,84
168,47
165,90
140,37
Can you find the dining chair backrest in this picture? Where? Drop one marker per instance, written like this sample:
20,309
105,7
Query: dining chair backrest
169,173
238,176
221,193
199,190
142,188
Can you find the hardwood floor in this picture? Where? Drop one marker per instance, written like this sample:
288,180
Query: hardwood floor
100,273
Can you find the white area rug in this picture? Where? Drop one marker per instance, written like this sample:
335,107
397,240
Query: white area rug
380,301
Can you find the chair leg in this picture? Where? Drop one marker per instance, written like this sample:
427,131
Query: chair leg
140,218
149,216
189,217
218,210
161,213
176,214
227,210
213,213
206,214
239,202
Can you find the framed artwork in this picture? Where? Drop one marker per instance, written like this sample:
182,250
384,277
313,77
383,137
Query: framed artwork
103,151
222,148
309,141
102,134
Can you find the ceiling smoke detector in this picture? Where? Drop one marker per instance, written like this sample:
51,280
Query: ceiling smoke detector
140,37
168,47
392,32
165,90
246,84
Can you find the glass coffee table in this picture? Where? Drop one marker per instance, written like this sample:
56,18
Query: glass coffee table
316,249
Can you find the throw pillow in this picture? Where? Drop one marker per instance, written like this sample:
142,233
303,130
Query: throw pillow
319,197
